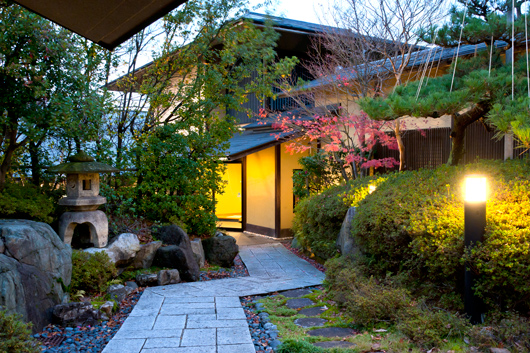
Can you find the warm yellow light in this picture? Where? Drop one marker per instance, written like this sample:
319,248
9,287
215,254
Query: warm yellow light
371,188
475,188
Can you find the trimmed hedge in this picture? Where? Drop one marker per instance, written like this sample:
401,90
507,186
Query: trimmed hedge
318,218
25,202
413,224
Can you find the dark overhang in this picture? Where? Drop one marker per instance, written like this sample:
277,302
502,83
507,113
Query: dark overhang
105,22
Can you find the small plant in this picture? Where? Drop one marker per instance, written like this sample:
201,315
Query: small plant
292,346
430,327
91,272
15,335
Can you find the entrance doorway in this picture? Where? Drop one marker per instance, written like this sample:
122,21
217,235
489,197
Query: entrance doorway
229,207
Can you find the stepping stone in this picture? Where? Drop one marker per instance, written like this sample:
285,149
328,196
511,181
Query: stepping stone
332,332
295,293
334,344
310,322
317,310
298,303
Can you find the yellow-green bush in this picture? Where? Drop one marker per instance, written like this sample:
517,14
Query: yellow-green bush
15,335
91,272
413,224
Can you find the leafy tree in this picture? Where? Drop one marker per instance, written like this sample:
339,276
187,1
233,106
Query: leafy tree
172,123
47,87
481,88
348,139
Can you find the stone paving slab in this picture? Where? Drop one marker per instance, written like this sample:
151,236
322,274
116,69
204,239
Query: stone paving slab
207,317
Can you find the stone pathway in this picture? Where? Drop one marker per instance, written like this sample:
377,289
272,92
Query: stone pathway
207,317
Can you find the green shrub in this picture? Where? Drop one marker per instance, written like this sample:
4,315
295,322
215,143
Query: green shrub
91,272
292,346
429,327
365,300
26,202
15,335
318,218
503,329
413,224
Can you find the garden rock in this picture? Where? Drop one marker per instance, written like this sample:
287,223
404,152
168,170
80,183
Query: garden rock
317,310
310,322
181,258
345,242
118,292
106,308
295,293
298,303
147,279
166,277
33,262
172,235
121,250
198,251
220,250
295,244
499,350
75,314
131,284
144,258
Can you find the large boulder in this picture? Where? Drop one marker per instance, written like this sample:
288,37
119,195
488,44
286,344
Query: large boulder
122,250
345,242
220,250
144,258
181,258
34,266
179,254
198,251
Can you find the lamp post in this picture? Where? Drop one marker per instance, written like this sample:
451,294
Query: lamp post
474,228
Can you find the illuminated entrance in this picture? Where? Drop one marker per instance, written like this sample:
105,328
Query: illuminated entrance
229,207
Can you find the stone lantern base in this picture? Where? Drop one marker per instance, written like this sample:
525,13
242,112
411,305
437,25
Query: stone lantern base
97,222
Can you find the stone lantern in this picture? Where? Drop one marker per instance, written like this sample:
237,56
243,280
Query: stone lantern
82,198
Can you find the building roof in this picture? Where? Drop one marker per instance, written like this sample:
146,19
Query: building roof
105,22
432,55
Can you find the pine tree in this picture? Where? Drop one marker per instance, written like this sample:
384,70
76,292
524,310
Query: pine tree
476,92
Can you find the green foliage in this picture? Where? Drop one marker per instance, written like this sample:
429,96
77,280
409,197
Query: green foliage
318,173
429,327
15,335
179,175
292,346
365,300
318,218
503,329
49,90
91,272
413,225
25,201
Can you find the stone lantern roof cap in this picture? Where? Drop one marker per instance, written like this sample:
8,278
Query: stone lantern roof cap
82,163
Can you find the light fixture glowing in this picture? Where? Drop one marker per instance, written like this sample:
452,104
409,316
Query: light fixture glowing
475,188
371,188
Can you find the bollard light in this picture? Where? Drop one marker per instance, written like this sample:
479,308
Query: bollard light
474,228
475,188
371,188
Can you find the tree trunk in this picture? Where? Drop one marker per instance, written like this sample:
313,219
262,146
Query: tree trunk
458,133
35,168
401,146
